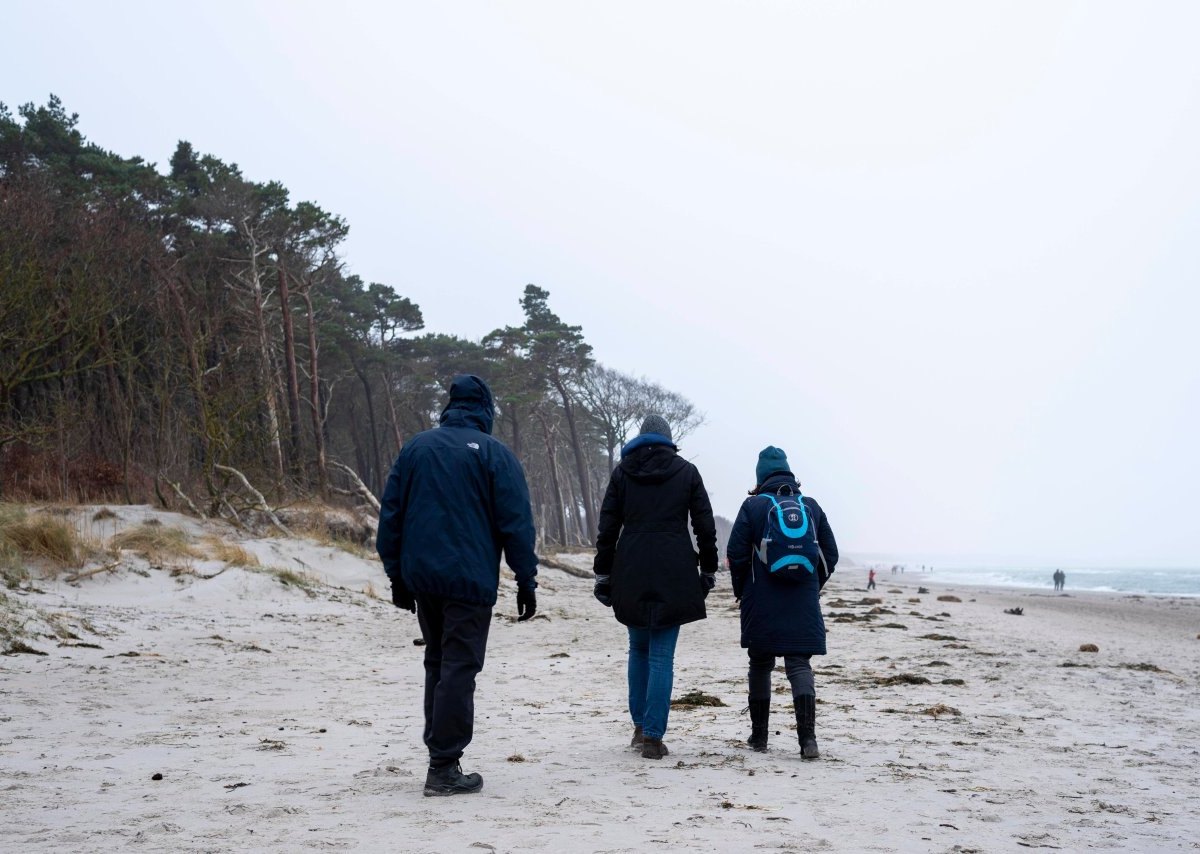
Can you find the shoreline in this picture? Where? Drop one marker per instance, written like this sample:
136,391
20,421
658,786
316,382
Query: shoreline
1142,614
925,578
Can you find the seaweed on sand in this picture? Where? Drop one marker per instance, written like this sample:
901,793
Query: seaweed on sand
693,699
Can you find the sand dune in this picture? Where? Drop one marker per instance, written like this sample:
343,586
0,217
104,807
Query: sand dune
283,718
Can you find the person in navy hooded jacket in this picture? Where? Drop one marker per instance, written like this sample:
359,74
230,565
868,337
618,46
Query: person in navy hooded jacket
646,568
780,611
455,498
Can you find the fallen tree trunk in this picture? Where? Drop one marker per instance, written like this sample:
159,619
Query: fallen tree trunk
262,505
360,488
185,499
566,567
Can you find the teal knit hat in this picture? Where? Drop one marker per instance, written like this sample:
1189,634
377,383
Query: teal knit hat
770,460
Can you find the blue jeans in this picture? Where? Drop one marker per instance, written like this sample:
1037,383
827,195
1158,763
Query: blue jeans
651,674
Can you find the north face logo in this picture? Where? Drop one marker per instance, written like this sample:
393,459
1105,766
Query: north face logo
473,446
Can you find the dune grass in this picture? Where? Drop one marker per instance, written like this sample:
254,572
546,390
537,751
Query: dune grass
156,542
229,553
317,523
35,536
323,536
12,569
10,624
290,578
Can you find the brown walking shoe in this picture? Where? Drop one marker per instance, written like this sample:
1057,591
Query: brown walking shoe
653,748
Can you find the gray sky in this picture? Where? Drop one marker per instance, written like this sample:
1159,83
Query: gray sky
944,254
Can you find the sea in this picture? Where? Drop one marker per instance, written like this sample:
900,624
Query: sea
1152,581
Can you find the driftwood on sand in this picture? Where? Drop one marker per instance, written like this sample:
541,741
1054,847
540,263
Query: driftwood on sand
565,567
108,567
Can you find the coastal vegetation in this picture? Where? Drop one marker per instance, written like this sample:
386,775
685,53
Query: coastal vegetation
194,338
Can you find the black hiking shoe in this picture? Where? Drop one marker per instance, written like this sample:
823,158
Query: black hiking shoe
760,713
450,780
638,737
806,725
653,748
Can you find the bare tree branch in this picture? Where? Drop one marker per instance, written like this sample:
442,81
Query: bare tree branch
183,496
360,487
258,497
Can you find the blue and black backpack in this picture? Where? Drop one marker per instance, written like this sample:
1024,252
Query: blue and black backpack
789,550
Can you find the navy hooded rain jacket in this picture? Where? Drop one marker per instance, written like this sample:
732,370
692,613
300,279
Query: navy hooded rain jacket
455,498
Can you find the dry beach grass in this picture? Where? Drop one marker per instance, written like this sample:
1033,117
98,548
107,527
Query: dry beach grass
287,719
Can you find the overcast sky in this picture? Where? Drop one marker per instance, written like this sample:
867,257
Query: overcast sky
945,255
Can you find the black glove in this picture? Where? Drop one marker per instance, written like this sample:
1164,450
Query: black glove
526,603
401,598
603,590
709,580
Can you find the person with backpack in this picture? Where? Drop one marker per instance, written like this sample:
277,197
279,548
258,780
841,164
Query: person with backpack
781,552
646,568
455,498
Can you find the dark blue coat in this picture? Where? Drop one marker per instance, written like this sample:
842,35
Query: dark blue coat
778,616
454,499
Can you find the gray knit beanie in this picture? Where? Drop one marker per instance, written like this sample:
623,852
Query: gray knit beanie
656,424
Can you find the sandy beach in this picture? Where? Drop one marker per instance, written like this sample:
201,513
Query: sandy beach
284,718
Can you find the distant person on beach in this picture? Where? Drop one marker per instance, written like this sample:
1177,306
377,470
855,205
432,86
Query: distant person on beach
646,568
1060,579
781,552
871,580
455,498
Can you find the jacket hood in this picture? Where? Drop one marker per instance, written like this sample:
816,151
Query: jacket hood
772,484
650,462
470,404
644,439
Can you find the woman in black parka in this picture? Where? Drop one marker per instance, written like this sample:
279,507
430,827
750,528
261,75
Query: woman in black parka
780,617
646,567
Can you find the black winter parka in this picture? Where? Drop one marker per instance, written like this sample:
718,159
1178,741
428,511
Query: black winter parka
643,542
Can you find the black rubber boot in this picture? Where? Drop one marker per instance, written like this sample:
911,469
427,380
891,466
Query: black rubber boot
760,713
450,780
806,725
653,748
636,742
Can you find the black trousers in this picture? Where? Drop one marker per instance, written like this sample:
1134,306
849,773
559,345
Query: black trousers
799,673
455,640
